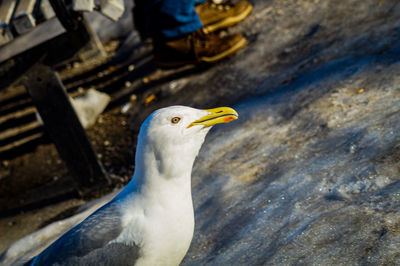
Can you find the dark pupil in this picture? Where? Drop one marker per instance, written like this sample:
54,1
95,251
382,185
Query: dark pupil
175,120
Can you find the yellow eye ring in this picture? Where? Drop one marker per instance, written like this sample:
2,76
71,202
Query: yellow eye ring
175,120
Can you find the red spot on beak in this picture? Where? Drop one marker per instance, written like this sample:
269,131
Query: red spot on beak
228,119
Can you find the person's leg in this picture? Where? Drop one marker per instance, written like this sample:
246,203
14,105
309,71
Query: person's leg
169,19
178,34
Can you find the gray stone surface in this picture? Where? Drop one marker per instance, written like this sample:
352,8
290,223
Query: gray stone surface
310,172
309,175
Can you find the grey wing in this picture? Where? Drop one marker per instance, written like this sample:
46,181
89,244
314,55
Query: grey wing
88,243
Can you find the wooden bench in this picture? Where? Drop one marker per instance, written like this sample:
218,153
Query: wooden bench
34,36
22,15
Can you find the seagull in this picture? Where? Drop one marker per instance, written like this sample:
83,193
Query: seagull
151,221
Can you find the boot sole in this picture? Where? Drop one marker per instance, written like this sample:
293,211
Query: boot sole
205,59
228,22
239,45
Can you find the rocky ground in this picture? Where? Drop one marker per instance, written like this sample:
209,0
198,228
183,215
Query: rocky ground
309,174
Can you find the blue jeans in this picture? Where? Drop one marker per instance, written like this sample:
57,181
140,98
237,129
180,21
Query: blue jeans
169,19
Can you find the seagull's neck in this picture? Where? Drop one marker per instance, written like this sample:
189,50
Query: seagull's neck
161,172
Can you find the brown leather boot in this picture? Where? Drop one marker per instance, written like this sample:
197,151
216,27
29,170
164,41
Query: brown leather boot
219,16
196,48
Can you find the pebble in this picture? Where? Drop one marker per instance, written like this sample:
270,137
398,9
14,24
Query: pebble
133,97
125,108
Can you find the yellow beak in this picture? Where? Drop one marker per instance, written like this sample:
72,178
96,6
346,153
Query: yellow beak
216,116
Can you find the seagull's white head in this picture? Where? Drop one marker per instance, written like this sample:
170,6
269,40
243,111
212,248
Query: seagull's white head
172,137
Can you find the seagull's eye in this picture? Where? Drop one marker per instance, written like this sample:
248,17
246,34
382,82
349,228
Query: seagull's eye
175,120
